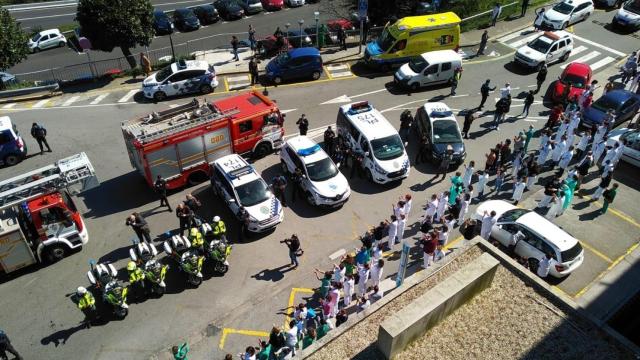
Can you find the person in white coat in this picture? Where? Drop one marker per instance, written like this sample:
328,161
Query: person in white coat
443,236
516,164
598,150
407,205
488,220
556,207
607,168
543,155
544,266
464,208
585,138
565,160
364,278
402,223
349,288
375,273
571,136
468,174
398,208
393,231
432,206
611,153
562,130
518,190
442,205
483,178
619,153
558,150
544,139
600,132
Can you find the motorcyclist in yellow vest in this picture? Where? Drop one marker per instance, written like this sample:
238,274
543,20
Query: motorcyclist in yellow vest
86,304
219,229
136,276
197,240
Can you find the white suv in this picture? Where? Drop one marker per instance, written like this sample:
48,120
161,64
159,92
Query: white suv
238,184
322,182
180,78
46,39
541,237
545,49
567,12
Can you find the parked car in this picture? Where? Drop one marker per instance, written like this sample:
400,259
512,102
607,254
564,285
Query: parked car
430,68
271,5
335,24
295,64
270,47
322,182
229,9
8,78
12,147
185,19
545,49
207,14
625,104
631,152
567,12
541,237
46,39
298,38
576,74
438,124
250,7
294,3
179,78
628,16
162,24
330,38
423,8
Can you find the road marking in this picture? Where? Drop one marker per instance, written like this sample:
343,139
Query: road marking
341,74
368,93
40,103
98,99
598,45
9,106
517,44
287,111
463,95
238,78
578,50
602,63
615,212
128,96
584,58
514,35
596,252
292,298
71,101
45,17
602,274
337,254
337,67
227,331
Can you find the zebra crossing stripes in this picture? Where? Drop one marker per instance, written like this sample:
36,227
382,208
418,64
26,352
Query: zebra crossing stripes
40,103
577,50
338,71
584,59
9,106
128,96
238,82
70,101
516,44
601,63
98,99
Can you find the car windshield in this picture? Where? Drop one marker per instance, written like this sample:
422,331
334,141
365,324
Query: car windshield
633,6
417,64
387,148
631,137
446,132
563,8
574,80
385,41
282,59
512,215
540,45
604,104
321,170
35,37
253,193
572,253
163,74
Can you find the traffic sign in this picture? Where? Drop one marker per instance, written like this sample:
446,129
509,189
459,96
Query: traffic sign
363,6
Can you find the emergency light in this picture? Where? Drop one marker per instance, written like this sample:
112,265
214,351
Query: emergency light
309,151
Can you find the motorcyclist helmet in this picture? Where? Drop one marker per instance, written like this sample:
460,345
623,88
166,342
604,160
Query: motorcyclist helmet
81,290
131,266
193,232
216,218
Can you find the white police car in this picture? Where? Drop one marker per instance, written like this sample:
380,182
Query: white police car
239,185
567,12
550,47
322,182
179,78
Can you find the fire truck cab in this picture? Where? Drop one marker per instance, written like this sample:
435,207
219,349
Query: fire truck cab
38,218
181,144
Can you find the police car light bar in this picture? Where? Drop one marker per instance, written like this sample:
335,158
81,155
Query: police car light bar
237,173
359,105
309,151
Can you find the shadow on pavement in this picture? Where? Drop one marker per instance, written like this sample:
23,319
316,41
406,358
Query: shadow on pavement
273,275
118,194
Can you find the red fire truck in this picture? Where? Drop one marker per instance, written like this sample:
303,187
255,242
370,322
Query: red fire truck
38,219
179,144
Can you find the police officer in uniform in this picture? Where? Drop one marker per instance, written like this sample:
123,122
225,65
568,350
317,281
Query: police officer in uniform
86,304
161,189
219,228
136,279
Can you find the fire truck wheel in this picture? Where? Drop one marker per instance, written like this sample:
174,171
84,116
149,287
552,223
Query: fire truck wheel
205,89
159,96
56,253
11,160
262,150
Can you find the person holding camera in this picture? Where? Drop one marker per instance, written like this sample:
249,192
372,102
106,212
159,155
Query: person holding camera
293,244
140,226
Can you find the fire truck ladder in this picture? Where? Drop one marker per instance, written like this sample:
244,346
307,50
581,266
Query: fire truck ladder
76,169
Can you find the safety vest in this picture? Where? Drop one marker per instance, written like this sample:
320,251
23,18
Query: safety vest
196,238
136,275
86,301
219,228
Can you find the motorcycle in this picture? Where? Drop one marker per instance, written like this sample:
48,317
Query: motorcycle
104,278
188,259
154,272
218,250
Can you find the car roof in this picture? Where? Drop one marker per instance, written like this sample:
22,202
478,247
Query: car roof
183,11
49,31
554,234
191,65
578,68
304,51
440,55
576,2
236,169
555,35
205,6
438,106
5,123
308,150
619,95
377,127
159,12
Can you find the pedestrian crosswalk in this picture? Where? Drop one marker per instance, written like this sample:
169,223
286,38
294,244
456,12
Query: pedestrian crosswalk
338,71
584,50
87,99
238,82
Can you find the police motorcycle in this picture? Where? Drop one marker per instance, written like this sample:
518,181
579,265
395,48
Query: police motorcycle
189,261
105,278
143,254
216,249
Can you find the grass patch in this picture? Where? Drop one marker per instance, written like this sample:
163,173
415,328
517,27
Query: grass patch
511,12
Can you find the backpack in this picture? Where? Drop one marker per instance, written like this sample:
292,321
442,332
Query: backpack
39,131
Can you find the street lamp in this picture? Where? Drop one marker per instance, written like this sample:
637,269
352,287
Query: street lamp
316,15
300,22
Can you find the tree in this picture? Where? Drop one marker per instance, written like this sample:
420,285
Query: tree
13,42
116,23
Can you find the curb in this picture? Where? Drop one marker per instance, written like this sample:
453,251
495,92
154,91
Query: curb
31,97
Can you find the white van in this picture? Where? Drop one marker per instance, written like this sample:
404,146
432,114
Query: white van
430,68
365,130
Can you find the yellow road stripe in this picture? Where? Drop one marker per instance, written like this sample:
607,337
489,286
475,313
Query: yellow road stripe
226,84
324,68
601,275
292,298
618,213
227,331
596,252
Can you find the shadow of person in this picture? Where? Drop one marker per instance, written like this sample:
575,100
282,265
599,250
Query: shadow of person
60,337
273,275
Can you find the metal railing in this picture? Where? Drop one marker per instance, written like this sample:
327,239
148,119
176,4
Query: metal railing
487,12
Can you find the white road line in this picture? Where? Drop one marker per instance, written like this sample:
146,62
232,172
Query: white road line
337,254
584,58
128,96
577,50
368,93
532,85
462,95
238,78
40,103
341,74
337,67
517,44
514,35
602,63
239,85
173,106
98,99
598,45
9,106
45,17
71,101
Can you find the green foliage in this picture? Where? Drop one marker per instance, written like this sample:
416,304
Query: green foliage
13,41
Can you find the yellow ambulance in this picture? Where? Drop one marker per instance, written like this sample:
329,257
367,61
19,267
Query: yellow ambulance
412,36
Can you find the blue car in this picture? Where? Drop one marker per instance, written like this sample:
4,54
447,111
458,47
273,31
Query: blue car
12,147
625,103
295,64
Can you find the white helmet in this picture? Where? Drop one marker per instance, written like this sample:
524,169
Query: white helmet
216,218
81,290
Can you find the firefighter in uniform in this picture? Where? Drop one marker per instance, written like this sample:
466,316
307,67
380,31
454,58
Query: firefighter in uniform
86,304
197,240
136,277
219,229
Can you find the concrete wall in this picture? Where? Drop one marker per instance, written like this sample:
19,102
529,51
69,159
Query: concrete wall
397,331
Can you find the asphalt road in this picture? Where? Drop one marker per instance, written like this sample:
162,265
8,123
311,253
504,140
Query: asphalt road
215,35
43,323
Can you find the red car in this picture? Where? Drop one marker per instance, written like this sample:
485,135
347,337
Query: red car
576,74
271,5
336,24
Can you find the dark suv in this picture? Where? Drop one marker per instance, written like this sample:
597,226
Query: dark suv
185,19
207,14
